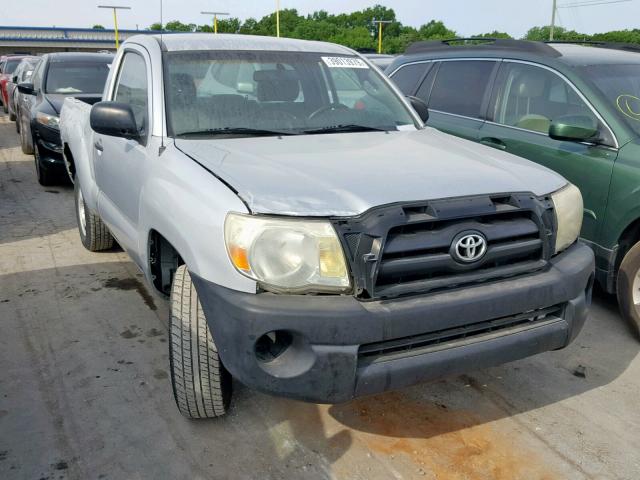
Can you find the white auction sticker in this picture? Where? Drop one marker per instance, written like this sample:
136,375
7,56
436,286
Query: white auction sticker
344,62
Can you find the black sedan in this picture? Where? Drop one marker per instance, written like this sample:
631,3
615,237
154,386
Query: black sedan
59,75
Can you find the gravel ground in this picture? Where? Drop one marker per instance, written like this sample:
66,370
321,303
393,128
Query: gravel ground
84,388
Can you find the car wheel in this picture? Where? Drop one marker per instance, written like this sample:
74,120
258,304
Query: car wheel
628,287
17,124
201,385
12,117
45,177
94,234
26,142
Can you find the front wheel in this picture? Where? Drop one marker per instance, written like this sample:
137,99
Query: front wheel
201,385
94,234
628,287
26,141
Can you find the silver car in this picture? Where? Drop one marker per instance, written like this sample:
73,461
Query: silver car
315,242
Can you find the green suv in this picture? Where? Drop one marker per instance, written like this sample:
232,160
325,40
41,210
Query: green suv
574,108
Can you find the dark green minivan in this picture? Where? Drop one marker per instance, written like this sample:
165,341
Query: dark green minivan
574,108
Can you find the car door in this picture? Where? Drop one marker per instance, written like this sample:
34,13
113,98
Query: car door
526,98
457,93
119,163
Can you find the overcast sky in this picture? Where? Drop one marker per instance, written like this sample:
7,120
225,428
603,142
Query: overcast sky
467,17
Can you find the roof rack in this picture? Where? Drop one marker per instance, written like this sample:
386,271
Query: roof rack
483,43
630,47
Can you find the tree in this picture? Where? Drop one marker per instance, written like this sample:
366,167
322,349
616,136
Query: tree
435,30
494,34
98,27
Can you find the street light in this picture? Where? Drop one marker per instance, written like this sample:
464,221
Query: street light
380,23
278,18
215,19
115,18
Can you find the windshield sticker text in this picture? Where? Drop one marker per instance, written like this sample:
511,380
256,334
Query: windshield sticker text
344,62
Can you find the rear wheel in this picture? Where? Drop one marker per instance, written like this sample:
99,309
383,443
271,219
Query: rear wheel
201,385
94,234
628,287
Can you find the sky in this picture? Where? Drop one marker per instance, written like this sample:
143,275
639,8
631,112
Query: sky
466,17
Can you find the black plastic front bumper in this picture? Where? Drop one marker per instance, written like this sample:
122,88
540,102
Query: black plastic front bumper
325,363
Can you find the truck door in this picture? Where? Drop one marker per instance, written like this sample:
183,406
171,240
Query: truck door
120,163
526,98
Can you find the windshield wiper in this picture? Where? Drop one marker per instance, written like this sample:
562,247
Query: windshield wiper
347,128
237,131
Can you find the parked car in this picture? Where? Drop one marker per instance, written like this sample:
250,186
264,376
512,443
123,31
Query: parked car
7,67
21,74
380,60
308,248
58,76
570,107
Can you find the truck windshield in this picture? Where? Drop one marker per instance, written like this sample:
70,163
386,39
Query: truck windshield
620,85
262,92
77,77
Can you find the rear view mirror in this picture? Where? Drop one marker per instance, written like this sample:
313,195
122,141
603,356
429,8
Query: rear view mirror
115,119
420,107
573,128
26,88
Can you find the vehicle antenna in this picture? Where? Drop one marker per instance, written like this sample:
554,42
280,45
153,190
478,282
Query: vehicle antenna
162,125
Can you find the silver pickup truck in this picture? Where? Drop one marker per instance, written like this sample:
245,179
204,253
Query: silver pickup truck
315,239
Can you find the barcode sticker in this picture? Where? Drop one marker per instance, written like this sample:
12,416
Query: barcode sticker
344,62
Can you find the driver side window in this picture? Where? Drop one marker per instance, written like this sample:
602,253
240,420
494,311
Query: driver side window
132,89
531,97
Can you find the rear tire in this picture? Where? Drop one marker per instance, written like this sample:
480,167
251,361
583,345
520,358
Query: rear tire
202,387
628,288
26,141
94,234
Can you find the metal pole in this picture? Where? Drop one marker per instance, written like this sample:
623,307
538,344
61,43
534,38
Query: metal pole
380,37
215,23
115,23
278,18
553,20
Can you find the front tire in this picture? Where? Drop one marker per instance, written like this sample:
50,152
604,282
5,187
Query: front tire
201,385
45,177
94,234
628,288
26,141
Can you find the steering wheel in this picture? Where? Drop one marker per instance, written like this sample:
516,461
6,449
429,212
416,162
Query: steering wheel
328,108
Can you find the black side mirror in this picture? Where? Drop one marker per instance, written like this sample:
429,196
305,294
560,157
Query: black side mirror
115,119
573,128
14,79
420,107
26,88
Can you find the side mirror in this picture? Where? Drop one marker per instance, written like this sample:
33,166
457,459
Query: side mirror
420,107
115,119
14,79
573,128
26,88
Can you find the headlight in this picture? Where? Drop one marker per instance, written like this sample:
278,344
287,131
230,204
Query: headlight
287,255
47,120
568,207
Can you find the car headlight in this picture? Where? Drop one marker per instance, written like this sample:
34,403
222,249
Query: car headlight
568,207
47,120
287,255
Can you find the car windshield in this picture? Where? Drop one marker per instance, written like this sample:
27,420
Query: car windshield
77,77
620,84
263,92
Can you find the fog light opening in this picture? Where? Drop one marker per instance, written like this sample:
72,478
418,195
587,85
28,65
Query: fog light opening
272,345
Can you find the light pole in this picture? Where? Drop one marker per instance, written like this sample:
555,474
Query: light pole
215,19
278,18
576,4
553,20
380,23
115,18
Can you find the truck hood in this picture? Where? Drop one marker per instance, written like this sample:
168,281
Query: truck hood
348,173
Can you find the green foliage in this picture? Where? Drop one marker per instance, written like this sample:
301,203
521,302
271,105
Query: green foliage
98,27
358,30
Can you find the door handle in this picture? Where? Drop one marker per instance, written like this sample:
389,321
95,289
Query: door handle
493,142
98,145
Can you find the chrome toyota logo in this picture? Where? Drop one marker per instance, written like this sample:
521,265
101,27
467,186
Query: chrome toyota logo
469,247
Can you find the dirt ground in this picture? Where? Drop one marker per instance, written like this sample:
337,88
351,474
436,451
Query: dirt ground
85,394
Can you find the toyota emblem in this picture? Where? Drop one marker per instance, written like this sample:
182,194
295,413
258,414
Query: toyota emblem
469,247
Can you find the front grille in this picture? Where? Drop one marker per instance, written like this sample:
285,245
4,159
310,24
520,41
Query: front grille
452,337
405,249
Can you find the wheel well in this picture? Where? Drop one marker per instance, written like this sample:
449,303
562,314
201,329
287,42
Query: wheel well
68,158
164,260
627,240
